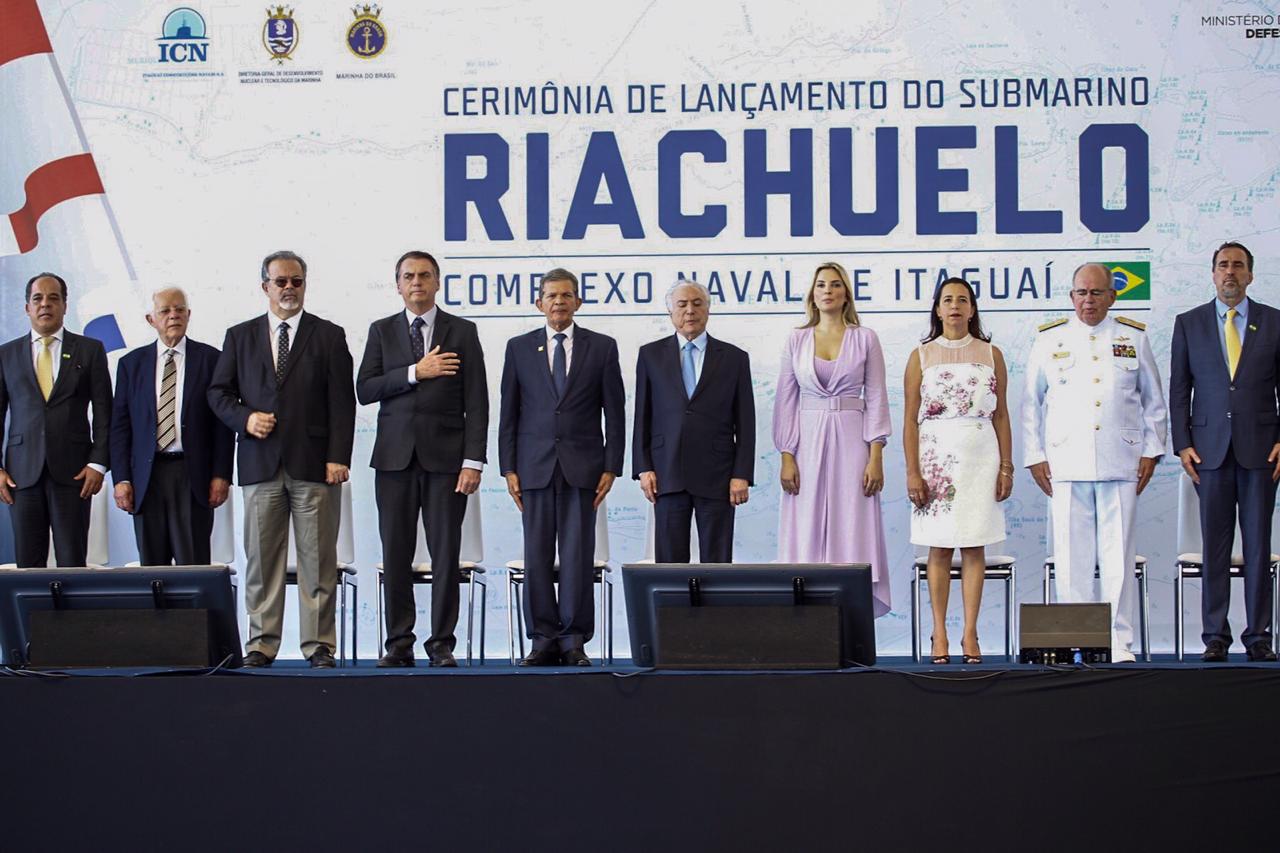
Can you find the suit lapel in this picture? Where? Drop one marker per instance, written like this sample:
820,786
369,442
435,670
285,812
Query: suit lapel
66,370
674,357
542,364
306,324
710,361
147,384
266,344
23,349
1253,328
439,331
189,367
581,346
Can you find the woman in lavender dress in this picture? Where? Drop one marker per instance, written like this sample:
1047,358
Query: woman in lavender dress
958,447
830,423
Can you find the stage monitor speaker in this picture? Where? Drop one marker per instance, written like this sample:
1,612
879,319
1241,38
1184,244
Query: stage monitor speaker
769,637
1064,633
151,616
66,639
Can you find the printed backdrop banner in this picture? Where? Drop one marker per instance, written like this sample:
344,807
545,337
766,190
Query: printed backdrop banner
738,144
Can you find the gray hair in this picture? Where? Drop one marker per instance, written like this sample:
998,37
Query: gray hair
283,255
706,294
1106,271
557,274
170,289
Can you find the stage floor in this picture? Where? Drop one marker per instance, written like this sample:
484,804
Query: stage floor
899,757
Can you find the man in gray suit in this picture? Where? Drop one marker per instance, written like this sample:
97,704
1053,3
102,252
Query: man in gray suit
53,464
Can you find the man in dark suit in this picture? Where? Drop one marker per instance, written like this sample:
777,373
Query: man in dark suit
283,385
53,464
425,369
557,382
694,445
171,457
1223,385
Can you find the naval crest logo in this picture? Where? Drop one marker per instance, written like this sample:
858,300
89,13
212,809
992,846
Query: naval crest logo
280,33
367,37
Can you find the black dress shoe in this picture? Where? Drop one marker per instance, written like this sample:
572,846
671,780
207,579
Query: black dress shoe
257,660
390,660
576,657
443,657
321,658
1260,651
1215,651
541,657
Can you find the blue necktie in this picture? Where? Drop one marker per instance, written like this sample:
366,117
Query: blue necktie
559,365
690,380
415,339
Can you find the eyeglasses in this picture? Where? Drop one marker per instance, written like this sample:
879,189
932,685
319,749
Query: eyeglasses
1096,294
281,282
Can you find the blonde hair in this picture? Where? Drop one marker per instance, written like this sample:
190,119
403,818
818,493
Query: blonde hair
850,314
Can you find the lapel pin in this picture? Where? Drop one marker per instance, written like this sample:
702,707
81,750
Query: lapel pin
541,349
66,355
1253,328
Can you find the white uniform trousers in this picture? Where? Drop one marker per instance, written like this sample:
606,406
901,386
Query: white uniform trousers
1093,527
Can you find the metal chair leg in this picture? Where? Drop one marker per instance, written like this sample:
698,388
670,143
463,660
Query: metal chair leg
1178,637
520,616
355,624
484,610
511,628
342,621
1008,616
1048,582
915,612
471,618
381,604
1144,613
1275,608
610,616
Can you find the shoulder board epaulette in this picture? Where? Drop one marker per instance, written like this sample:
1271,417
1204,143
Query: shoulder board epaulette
1053,324
1141,327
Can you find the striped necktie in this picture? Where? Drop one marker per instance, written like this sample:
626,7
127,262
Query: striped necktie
167,408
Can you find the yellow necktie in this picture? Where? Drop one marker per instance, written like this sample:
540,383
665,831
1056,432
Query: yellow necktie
44,367
1233,342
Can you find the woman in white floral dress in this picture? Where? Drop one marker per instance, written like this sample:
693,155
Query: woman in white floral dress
959,455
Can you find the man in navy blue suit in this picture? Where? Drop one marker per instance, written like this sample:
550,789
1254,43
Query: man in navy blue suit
1223,386
171,457
557,383
694,445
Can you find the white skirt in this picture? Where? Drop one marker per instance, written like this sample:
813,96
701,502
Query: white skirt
960,461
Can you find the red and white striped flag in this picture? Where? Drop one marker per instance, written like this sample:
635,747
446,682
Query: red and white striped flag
54,213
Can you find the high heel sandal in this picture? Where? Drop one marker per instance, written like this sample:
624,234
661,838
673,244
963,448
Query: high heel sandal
940,660
970,660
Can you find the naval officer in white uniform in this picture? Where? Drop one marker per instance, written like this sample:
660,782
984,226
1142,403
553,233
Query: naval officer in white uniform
1094,423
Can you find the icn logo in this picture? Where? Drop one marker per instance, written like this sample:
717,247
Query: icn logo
182,37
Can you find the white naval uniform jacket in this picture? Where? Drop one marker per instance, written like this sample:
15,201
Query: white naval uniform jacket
1093,404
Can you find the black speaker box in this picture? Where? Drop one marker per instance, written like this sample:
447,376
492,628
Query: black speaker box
749,637
128,638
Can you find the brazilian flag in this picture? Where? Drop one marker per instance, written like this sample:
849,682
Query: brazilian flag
1132,279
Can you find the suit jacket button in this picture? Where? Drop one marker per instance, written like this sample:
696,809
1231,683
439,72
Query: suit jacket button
557,411
1233,388
688,411
1228,415
557,440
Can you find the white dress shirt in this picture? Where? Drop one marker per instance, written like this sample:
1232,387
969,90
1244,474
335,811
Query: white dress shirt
568,348
274,323
55,357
